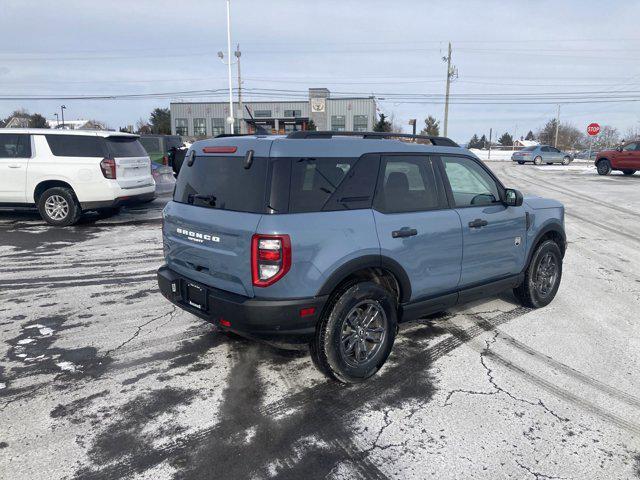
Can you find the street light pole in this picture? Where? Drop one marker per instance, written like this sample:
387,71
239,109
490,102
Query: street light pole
62,108
240,109
57,119
231,117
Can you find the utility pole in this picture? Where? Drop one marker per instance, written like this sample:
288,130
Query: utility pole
231,117
490,135
240,109
62,108
452,72
555,142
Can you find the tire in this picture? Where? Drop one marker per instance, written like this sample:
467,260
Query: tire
542,277
537,160
628,172
604,167
342,332
58,206
566,160
520,163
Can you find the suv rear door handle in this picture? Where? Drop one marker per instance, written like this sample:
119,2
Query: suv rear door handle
404,232
478,223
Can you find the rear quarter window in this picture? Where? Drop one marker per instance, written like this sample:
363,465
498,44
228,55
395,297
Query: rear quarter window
223,183
77,145
314,180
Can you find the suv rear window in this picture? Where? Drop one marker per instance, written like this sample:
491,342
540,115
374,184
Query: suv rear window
125,147
223,183
77,145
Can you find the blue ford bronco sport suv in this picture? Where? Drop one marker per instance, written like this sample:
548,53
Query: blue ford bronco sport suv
333,238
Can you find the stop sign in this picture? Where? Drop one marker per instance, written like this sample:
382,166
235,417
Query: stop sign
593,129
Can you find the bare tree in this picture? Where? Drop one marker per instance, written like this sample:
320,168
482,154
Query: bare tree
607,138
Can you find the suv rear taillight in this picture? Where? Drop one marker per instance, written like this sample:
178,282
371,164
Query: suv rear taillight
108,166
270,258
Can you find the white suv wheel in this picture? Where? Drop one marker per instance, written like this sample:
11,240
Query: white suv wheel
57,207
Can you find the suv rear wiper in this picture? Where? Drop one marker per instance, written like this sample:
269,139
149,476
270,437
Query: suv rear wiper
210,199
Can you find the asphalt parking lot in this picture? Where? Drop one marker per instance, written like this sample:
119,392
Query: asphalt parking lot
100,377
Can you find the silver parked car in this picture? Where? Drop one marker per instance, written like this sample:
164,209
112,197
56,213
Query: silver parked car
540,154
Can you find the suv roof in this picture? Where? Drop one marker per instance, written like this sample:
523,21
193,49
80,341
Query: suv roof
52,131
329,144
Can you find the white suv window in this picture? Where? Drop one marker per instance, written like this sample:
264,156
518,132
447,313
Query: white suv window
15,145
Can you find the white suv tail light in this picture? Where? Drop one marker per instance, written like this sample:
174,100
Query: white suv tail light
108,166
270,258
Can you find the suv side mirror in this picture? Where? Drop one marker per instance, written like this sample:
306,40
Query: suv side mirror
513,197
619,148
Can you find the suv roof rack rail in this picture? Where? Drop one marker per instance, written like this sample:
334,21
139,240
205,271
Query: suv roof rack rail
439,141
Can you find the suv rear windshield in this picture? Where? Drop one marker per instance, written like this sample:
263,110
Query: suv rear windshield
125,147
223,183
94,146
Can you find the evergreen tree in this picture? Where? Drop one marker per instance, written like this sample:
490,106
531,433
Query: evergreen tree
311,126
475,142
530,136
506,140
483,143
431,127
382,125
37,121
160,121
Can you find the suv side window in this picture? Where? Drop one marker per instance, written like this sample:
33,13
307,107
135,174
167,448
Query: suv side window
406,184
629,147
15,145
313,181
77,145
470,184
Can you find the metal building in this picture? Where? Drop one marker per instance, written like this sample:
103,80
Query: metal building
196,119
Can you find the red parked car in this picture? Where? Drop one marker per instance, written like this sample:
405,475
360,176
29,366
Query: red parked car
625,158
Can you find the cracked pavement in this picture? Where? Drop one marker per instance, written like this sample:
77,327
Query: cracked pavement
100,377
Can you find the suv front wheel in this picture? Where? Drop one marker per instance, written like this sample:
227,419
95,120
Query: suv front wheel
355,335
604,167
58,206
542,278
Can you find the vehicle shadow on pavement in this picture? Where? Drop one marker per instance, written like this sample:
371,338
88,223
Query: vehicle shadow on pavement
307,433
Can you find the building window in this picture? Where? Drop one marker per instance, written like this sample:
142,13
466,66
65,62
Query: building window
292,113
360,123
262,113
199,127
290,127
181,126
338,123
217,126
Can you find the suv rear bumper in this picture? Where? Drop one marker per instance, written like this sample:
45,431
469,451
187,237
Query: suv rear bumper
118,202
265,319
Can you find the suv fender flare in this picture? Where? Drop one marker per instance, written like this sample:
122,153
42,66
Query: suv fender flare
549,227
368,261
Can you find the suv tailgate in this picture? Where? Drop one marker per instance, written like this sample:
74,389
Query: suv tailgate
133,167
210,246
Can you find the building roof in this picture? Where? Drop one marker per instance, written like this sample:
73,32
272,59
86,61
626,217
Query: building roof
526,143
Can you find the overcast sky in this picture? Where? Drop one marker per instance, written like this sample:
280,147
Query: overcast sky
374,47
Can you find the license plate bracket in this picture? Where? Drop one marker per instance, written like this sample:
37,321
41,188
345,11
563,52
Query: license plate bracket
196,296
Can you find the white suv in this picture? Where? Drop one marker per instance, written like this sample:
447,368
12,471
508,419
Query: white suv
66,172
